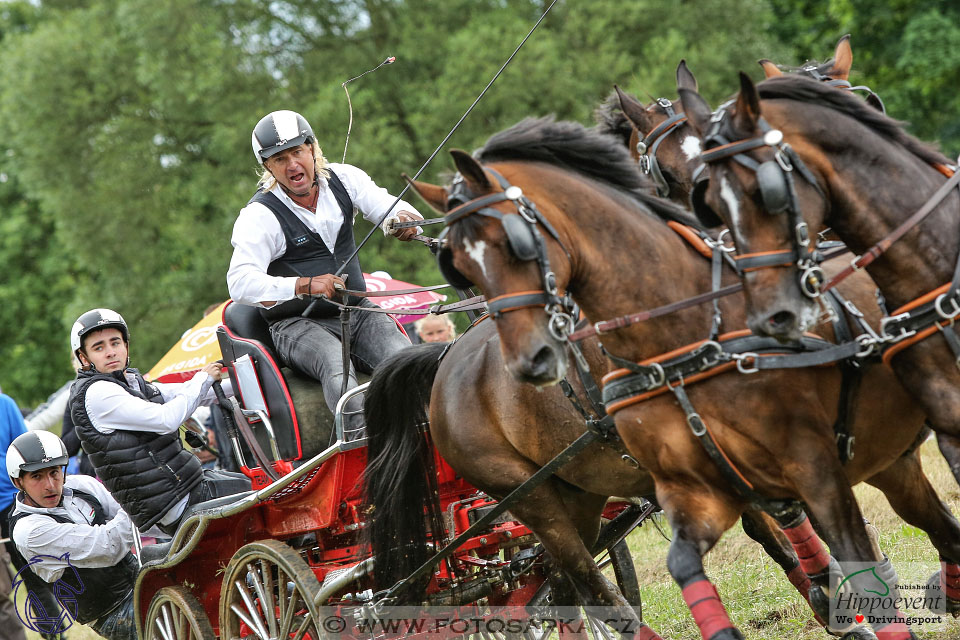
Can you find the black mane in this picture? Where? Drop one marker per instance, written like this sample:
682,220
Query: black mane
589,152
804,89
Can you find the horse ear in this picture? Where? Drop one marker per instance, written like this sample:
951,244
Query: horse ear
842,59
433,195
634,111
685,77
471,171
697,110
633,142
770,70
747,107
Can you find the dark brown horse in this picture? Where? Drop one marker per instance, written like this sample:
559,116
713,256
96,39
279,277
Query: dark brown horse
774,428
866,176
497,433
674,155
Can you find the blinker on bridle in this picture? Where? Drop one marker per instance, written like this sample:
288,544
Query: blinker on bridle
775,180
527,244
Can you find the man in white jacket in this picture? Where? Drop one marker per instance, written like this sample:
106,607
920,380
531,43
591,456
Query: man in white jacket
74,535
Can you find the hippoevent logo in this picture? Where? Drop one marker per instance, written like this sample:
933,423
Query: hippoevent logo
864,597
33,614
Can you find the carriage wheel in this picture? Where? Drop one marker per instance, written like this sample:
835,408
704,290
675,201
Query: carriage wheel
175,614
268,592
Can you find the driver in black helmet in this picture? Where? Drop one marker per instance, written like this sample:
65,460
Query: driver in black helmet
75,537
130,429
290,239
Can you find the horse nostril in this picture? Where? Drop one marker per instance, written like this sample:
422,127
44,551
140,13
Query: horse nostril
541,361
781,320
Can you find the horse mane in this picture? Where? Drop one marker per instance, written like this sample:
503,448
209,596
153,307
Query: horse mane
589,152
611,120
803,89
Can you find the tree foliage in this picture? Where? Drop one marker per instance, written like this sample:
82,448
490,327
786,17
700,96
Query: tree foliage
125,124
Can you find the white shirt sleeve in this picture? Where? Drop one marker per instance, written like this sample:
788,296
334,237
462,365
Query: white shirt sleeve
80,545
371,199
111,408
257,241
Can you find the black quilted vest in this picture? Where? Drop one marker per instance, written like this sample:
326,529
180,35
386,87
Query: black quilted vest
147,473
307,255
88,593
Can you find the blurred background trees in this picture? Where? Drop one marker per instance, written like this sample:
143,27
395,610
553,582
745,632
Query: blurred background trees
125,124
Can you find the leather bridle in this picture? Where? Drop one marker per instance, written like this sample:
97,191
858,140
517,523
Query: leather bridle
526,237
647,148
775,179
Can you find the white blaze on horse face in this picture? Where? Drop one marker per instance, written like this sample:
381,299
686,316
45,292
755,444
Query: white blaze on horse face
733,204
476,251
691,147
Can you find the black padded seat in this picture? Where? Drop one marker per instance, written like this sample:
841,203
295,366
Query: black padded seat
247,322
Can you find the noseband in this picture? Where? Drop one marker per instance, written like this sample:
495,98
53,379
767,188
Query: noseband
647,148
526,243
775,179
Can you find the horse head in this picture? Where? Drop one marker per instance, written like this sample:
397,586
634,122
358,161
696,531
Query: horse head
498,241
762,192
665,146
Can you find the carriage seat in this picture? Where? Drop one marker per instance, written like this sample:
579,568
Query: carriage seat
295,402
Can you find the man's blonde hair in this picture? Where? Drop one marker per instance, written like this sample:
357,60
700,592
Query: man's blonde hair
267,181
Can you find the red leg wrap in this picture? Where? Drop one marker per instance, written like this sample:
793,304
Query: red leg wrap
950,579
895,631
813,557
646,633
708,612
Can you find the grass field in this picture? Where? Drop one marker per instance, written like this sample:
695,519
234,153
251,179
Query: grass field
758,596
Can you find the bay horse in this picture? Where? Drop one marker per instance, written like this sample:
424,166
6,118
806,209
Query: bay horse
672,146
602,245
863,176
497,433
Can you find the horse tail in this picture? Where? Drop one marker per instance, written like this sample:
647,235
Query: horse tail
401,476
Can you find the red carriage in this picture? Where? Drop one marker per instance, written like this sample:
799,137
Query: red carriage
263,564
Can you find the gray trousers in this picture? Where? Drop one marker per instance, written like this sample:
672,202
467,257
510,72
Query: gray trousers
312,346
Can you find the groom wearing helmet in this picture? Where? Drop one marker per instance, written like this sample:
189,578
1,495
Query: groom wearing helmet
290,239
74,535
130,428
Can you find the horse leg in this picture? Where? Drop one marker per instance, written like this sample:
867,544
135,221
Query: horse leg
566,529
830,500
698,516
764,529
950,449
912,497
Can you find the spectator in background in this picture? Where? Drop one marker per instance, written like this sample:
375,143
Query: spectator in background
433,328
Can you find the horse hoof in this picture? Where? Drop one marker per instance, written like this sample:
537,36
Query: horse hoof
860,633
819,601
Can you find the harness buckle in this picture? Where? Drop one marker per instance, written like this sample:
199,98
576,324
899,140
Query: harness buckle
802,232
697,425
904,333
782,159
661,376
949,314
741,358
527,212
721,243
560,326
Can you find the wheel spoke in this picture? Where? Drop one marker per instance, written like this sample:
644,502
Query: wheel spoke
168,625
287,607
162,630
268,595
302,630
257,623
